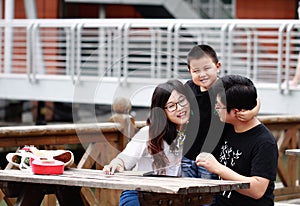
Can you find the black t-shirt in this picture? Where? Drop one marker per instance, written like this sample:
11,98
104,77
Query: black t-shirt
209,127
251,153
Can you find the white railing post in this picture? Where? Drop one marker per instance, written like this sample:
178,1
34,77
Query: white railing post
125,52
68,50
230,47
37,49
153,46
72,52
29,51
8,38
176,49
158,53
101,53
78,50
280,55
36,52
287,58
223,47
170,38
30,7
119,48
249,51
255,55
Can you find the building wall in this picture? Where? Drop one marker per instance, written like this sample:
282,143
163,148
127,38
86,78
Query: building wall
123,11
245,9
266,9
45,8
74,10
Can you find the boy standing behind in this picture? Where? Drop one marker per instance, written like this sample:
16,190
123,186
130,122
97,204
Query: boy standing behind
204,67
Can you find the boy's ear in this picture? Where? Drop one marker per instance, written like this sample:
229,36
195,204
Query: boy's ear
235,111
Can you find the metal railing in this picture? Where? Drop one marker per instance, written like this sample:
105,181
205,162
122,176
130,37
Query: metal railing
147,49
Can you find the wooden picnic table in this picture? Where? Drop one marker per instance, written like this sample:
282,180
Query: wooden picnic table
31,188
102,142
292,152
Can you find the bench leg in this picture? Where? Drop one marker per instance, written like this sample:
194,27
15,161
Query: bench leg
69,196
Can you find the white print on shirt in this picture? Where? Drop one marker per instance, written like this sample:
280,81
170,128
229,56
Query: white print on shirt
228,156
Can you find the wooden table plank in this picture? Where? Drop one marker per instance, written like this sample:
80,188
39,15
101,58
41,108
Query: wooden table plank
96,179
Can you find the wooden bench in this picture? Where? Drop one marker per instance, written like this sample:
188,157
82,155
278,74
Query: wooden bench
284,204
292,152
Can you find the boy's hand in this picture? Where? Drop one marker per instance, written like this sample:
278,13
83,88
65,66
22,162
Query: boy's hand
208,161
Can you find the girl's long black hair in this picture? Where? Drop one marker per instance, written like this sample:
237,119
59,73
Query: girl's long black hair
160,128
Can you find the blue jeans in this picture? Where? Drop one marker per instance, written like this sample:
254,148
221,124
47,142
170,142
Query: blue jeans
129,198
190,169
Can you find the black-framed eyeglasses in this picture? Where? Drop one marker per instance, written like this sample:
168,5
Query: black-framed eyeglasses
217,107
171,107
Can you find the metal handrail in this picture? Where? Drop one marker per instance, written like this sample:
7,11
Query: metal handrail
263,50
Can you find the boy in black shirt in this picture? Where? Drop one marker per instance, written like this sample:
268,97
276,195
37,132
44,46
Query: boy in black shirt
204,67
247,151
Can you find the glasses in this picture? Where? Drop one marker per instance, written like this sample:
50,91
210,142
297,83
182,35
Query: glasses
171,107
219,107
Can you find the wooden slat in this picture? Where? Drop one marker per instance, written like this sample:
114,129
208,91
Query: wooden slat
49,200
96,179
89,197
58,134
287,193
293,152
279,119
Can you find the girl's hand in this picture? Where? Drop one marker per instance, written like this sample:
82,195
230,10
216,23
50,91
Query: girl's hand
115,165
244,115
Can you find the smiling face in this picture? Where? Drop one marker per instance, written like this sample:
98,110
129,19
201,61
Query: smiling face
177,109
204,72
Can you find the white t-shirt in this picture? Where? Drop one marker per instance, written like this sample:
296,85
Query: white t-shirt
136,155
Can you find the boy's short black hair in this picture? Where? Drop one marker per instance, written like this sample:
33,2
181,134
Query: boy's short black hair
236,92
200,51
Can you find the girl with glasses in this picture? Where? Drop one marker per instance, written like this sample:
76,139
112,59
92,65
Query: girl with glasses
158,146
